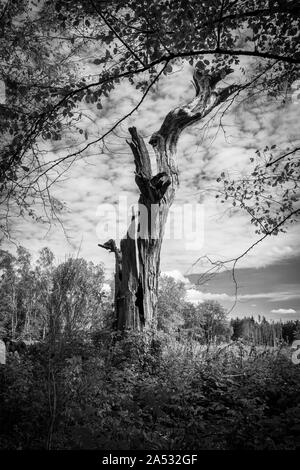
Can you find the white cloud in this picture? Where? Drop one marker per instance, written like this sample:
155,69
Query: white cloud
177,275
196,296
283,310
201,158
106,289
271,296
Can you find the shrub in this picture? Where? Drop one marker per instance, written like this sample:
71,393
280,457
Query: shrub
150,391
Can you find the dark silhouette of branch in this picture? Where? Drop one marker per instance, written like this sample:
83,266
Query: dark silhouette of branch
282,156
116,33
75,154
42,119
236,260
283,9
218,265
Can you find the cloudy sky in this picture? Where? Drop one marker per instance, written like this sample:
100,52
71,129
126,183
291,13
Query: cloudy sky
268,279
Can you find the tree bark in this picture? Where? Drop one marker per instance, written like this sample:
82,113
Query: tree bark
137,261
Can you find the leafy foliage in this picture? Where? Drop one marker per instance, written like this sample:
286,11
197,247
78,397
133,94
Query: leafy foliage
58,57
147,391
170,304
47,299
270,195
205,322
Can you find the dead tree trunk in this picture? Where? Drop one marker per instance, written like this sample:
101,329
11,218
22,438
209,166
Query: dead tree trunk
138,258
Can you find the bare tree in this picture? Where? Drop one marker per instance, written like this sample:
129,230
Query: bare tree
138,258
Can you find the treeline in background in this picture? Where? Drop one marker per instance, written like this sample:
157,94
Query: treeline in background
72,298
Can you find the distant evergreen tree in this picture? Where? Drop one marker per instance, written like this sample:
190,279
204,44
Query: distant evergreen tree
290,329
260,332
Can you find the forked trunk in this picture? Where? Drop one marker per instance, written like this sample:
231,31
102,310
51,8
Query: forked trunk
138,258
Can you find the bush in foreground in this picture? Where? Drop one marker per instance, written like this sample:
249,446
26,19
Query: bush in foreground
148,391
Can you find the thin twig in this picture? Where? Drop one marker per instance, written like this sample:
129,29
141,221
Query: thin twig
282,156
